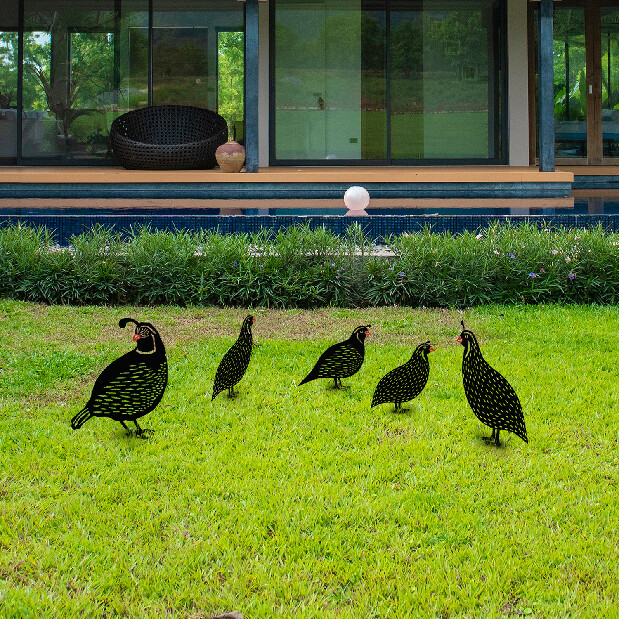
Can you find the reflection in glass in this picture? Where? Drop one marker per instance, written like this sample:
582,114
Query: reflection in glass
371,80
570,82
186,44
8,94
318,79
8,80
87,61
76,76
610,81
231,81
444,80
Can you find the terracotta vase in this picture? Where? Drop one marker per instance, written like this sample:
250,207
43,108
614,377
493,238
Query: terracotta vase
230,156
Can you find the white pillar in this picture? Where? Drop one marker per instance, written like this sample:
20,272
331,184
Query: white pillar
518,82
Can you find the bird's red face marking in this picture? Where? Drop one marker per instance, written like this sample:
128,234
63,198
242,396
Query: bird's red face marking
431,349
459,340
137,337
253,320
367,332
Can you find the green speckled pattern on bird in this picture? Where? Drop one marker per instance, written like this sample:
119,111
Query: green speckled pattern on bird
491,397
343,362
235,362
405,382
133,392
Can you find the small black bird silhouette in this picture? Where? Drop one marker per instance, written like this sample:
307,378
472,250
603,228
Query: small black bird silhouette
341,360
234,363
132,385
405,382
491,397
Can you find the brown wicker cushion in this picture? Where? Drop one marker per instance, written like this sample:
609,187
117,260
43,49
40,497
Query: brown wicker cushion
168,137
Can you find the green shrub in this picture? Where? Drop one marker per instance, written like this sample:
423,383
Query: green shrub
305,268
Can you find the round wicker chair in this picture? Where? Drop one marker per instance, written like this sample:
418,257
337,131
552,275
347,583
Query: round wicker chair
168,137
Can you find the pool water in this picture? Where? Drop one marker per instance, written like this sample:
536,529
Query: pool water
581,206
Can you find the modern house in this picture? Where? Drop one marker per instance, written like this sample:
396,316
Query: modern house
417,92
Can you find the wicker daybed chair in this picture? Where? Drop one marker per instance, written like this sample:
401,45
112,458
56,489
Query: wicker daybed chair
168,137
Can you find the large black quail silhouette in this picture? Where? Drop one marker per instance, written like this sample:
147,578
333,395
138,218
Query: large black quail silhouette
234,363
341,360
405,382
132,385
491,397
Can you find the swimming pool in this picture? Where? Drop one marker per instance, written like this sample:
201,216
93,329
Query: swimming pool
378,223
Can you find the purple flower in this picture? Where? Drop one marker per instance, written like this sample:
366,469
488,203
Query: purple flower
235,263
261,265
572,276
401,274
390,269
512,256
341,268
338,275
333,264
532,275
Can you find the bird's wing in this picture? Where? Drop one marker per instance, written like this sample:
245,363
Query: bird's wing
489,388
233,363
131,388
336,358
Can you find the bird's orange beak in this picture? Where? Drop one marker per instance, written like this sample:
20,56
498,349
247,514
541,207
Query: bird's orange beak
136,337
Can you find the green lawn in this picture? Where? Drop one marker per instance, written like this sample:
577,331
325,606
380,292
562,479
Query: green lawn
305,502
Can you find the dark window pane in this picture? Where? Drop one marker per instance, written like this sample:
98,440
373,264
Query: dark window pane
186,45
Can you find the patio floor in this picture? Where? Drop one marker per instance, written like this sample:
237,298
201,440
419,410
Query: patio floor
305,183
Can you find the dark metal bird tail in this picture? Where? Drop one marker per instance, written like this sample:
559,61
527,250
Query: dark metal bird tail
308,378
80,419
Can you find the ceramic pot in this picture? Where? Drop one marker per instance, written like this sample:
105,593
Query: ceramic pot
230,156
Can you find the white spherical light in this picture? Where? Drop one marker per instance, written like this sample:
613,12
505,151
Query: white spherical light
356,198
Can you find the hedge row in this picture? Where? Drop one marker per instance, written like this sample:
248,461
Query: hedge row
312,268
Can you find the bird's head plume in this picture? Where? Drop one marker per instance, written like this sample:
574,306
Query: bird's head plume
145,334
466,338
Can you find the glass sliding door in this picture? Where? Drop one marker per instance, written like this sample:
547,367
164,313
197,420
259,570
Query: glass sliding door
318,80
586,81
85,62
391,82
445,80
